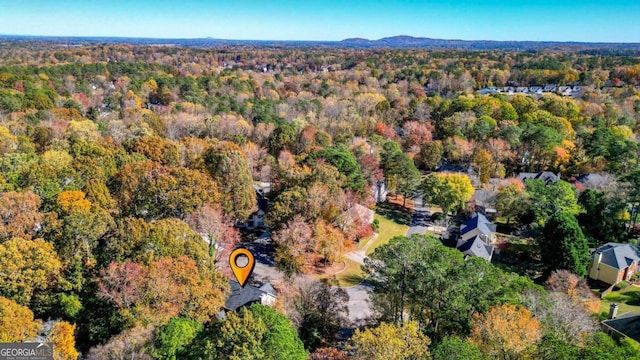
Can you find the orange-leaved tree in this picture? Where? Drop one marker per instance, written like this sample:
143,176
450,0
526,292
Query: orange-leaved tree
16,322
505,332
64,343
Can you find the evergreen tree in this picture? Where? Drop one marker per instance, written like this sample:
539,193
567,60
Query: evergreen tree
563,245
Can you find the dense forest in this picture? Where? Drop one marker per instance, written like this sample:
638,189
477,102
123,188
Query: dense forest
128,171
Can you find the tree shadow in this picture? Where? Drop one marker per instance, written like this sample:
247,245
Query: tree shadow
396,213
353,279
633,298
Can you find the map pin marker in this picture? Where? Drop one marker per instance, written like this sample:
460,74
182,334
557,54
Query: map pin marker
242,273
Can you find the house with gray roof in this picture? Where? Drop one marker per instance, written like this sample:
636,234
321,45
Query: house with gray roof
547,176
595,181
625,325
483,201
477,236
246,296
478,224
476,247
614,262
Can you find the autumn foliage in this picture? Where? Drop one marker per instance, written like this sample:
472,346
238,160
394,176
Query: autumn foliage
16,322
166,288
505,332
128,172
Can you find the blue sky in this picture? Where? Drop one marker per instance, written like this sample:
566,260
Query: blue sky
563,20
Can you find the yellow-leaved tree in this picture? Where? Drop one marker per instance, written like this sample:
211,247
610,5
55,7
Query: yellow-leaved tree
64,344
28,266
450,191
505,332
16,322
390,341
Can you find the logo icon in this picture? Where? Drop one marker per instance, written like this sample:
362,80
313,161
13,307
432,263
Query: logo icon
242,263
26,351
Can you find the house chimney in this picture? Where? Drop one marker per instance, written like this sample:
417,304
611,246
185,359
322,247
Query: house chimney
613,311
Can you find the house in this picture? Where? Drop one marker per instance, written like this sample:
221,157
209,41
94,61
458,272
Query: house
625,325
477,247
547,176
535,90
357,214
246,296
577,91
477,236
478,224
256,220
549,88
262,188
593,181
614,262
565,90
488,91
379,191
483,201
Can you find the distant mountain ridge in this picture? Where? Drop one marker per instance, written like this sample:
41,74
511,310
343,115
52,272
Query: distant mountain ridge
400,42
405,41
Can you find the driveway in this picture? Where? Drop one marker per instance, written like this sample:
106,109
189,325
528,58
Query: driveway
420,219
265,270
359,308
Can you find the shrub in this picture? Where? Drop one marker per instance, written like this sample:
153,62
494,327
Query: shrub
375,225
621,285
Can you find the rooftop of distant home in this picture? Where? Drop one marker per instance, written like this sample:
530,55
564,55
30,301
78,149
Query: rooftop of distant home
618,256
627,324
477,221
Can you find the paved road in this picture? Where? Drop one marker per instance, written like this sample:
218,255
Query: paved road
419,221
359,308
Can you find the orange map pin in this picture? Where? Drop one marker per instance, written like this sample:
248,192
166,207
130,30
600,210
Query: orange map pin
242,273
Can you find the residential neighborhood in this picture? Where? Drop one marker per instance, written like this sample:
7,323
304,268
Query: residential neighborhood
573,91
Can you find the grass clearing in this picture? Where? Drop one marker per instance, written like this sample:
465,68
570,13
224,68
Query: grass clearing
388,230
350,276
628,300
352,273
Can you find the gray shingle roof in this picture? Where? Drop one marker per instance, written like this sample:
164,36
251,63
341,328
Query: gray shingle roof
618,256
267,288
479,221
477,247
243,296
547,176
628,324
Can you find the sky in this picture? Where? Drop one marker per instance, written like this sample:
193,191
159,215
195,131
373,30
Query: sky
537,20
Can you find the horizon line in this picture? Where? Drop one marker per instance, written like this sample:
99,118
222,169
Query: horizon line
317,41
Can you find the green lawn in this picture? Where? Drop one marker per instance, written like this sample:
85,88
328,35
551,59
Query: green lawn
352,274
628,300
394,213
388,230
